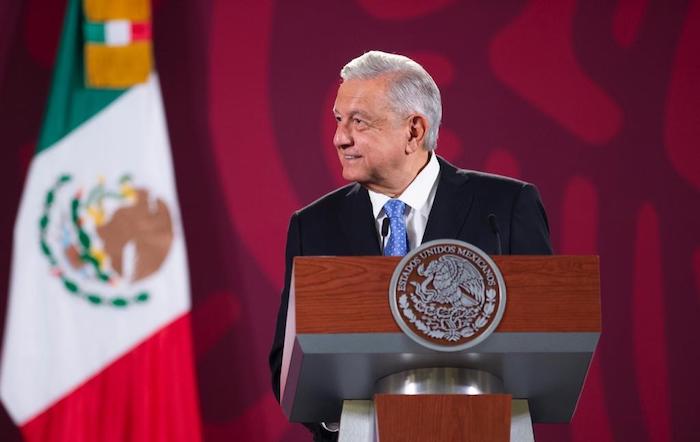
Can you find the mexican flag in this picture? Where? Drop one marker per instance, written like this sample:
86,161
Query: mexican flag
97,342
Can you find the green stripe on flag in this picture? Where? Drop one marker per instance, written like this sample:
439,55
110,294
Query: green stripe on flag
71,103
94,32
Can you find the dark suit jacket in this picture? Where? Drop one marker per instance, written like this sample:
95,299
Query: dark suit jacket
342,223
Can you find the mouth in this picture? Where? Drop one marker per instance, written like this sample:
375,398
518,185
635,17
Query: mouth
351,157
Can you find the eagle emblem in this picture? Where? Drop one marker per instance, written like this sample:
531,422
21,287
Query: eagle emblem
104,242
454,280
448,295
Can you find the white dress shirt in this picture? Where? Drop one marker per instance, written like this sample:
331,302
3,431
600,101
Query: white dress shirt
418,197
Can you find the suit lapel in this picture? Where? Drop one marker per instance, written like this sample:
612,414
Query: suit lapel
453,200
358,222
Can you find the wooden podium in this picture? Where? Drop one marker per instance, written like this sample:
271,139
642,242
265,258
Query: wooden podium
341,339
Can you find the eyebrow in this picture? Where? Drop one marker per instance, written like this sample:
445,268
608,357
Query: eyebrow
352,113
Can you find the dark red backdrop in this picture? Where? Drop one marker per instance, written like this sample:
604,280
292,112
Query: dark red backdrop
596,102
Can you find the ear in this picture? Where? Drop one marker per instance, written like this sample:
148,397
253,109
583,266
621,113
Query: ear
417,130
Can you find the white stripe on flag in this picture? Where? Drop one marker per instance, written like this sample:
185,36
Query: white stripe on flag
117,32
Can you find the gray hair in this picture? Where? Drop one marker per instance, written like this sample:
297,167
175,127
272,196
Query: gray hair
411,88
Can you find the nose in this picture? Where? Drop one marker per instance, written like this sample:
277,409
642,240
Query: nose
342,138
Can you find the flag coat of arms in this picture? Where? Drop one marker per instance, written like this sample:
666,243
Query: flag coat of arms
97,341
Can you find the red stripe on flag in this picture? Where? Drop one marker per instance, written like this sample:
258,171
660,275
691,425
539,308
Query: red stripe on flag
147,395
140,31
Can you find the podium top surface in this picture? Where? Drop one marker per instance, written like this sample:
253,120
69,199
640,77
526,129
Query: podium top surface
350,294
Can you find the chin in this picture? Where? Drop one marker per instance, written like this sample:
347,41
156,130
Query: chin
349,176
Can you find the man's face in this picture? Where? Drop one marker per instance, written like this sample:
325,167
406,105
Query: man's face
370,138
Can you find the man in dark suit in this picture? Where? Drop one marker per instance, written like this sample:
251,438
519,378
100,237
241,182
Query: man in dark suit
388,112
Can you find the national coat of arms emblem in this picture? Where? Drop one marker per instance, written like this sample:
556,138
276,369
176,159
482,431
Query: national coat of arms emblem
447,295
102,242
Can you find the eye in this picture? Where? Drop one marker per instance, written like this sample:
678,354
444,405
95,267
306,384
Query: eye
359,122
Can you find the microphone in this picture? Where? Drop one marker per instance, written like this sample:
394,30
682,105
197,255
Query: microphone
497,232
385,232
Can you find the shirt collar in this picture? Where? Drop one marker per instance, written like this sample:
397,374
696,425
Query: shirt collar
416,195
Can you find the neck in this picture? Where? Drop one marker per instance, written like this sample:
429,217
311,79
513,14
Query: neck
405,178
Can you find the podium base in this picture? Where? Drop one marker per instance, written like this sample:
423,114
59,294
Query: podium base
357,422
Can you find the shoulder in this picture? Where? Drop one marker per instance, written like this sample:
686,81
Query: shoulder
482,181
499,186
330,202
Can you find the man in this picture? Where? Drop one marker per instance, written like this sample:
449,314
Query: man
388,112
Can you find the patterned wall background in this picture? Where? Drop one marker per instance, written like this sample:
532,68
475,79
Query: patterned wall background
598,103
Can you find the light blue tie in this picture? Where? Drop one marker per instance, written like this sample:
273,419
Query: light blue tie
397,245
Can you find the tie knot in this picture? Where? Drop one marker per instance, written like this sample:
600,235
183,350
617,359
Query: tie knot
394,209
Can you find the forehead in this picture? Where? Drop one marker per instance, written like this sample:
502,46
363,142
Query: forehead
362,96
